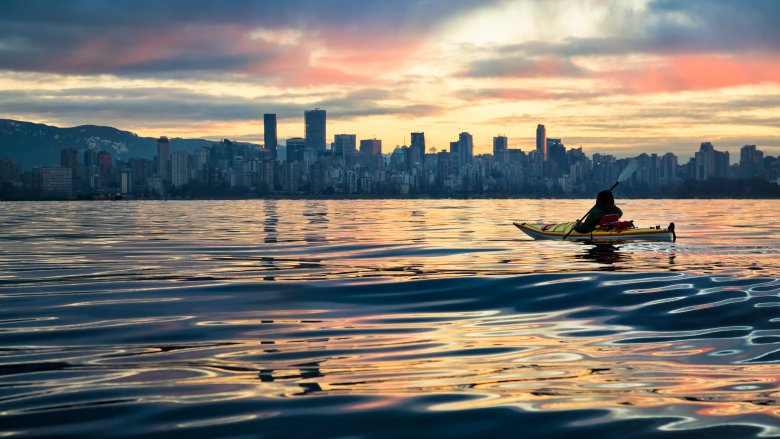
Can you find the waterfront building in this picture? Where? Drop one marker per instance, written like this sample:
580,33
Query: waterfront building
371,147
709,162
56,180
344,145
269,133
180,169
541,142
315,130
296,147
417,149
126,181
163,157
751,161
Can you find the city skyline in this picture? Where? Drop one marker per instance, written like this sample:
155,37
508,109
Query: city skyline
616,77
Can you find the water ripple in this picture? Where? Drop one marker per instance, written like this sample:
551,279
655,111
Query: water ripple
380,319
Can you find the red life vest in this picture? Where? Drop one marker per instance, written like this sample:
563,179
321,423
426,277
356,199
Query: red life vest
610,218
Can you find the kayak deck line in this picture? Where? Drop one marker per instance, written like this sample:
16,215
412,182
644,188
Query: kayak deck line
561,230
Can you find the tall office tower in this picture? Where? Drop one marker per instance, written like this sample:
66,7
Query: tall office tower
90,158
104,163
163,157
750,161
709,162
69,158
344,145
180,168
668,171
500,147
556,153
417,150
371,147
315,130
500,144
541,142
269,133
296,147
126,181
465,148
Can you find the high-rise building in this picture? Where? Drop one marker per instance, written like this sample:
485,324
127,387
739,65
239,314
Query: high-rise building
269,133
668,170
371,147
556,153
296,148
69,158
709,163
104,162
541,142
57,180
500,147
126,181
344,145
500,144
465,149
417,149
90,158
163,157
180,168
750,161
315,130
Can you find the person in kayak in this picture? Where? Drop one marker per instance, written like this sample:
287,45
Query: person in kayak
605,205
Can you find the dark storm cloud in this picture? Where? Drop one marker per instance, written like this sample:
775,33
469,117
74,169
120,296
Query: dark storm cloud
150,36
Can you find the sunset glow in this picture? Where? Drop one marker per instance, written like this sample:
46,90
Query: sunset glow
618,77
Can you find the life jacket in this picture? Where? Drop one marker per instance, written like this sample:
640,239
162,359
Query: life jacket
609,218
612,221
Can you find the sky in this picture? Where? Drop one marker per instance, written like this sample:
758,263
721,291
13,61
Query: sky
618,77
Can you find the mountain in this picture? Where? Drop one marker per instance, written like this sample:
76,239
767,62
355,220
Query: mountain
33,144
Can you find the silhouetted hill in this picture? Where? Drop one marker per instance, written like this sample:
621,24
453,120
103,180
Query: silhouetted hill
33,144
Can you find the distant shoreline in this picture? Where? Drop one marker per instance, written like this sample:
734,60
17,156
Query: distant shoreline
334,198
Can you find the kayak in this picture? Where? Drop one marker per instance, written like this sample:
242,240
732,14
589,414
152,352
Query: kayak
558,231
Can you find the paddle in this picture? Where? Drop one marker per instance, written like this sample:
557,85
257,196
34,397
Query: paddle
627,172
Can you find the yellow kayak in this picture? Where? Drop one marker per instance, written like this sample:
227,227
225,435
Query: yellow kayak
558,231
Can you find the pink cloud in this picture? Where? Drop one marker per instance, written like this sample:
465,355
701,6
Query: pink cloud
699,72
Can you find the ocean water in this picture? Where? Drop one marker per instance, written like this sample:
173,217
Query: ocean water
385,319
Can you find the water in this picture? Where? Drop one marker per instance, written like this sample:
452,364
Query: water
385,318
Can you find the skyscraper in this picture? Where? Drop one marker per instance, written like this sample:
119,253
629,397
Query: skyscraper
500,144
269,133
180,169
295,149
163,157
465,150
371,147
69,158
556,153
344,145
541,142
315,130
417,150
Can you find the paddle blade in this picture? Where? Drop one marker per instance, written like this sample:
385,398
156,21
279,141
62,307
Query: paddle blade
628,171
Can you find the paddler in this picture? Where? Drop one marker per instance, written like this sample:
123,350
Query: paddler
604,209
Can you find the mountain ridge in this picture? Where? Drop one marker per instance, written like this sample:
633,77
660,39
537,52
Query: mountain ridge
34,144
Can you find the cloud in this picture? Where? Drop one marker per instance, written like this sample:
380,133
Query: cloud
291,43
147,104
522,67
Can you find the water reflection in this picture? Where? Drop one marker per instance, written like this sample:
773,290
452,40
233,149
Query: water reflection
606,255
273,315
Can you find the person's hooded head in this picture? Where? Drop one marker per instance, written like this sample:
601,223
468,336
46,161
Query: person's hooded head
605,199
